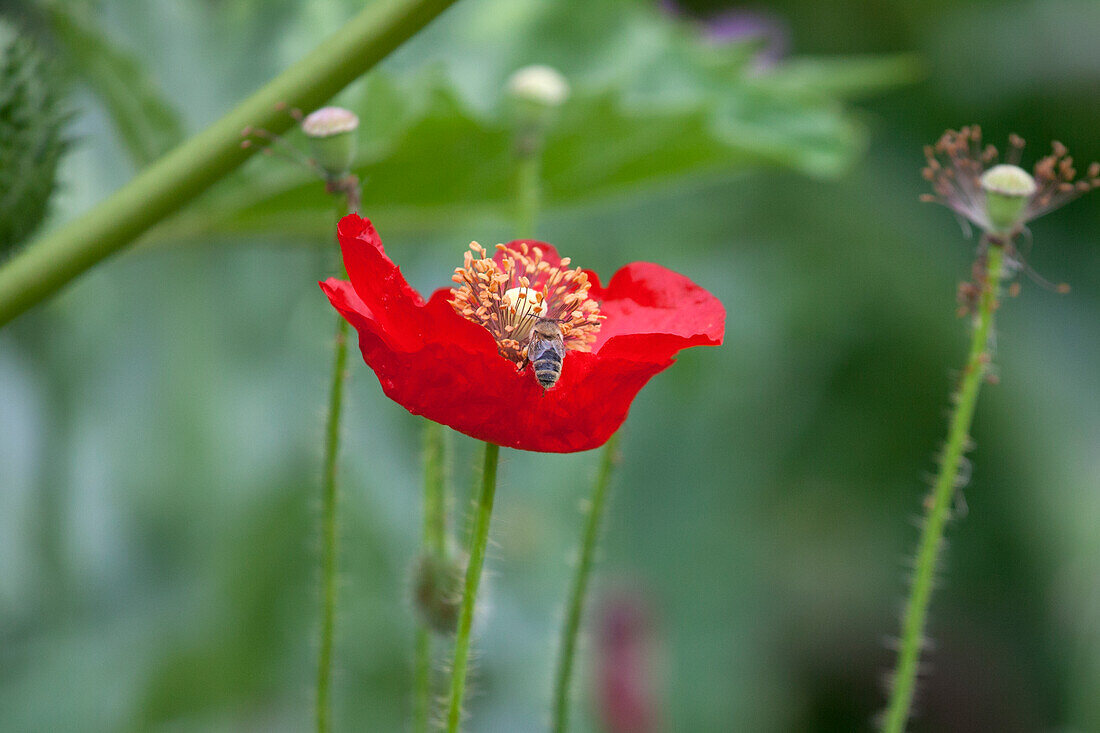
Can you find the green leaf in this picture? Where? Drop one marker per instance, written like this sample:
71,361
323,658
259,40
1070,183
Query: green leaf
846,77
145,121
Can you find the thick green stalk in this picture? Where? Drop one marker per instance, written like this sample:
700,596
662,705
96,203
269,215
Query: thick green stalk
575,610
435,543
479,540
329,529
57,257
943,491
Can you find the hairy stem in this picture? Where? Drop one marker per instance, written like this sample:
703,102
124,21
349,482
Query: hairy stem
422,701
435,543
479,540
943,491
329,529
435,499
575,609
60,255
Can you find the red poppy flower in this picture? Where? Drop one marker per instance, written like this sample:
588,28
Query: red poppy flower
460,357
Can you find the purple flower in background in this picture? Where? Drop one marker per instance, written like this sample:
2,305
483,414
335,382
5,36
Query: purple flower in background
739,24
626,700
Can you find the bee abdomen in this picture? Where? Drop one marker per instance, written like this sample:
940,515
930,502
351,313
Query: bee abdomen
547,367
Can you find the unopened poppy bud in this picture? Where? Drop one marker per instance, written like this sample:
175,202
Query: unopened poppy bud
437,591
535,94
32,137
539,84
1007,190
331,132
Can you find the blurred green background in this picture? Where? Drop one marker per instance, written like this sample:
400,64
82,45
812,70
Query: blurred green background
160,420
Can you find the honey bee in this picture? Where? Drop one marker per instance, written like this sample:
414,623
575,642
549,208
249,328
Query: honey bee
546,350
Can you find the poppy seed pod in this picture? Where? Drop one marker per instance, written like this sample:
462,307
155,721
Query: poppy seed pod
1000,198
1007,189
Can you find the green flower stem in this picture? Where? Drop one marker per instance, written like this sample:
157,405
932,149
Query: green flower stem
479,539
435,499
329,528
575,609
943,491
528,199
435,542
329,497
422,700
528,191
57,257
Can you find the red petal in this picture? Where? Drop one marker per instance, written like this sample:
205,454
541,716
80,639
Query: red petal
653,312
435,363
379,283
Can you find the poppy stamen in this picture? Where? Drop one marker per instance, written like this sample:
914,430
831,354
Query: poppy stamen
508,297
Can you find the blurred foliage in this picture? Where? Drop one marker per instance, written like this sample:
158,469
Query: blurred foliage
160,421
32,141
143,118
438,144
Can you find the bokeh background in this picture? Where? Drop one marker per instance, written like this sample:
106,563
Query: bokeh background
160,420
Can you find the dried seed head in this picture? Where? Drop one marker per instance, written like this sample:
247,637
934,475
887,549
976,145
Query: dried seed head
1000,197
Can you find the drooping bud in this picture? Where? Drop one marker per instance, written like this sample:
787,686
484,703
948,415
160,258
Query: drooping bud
437,591
32,119
1007,190
332,136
